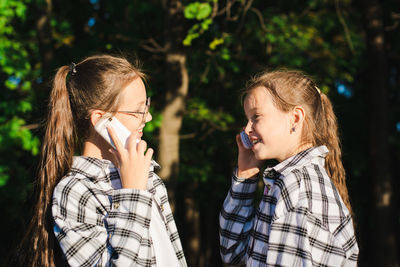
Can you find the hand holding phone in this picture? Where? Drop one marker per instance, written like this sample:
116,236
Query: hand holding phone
132,158
248,165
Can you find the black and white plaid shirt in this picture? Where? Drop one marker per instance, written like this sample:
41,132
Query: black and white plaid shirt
98,223
300,221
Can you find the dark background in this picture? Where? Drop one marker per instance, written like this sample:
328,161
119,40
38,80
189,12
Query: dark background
199,55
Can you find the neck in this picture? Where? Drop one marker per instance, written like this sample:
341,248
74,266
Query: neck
96,147
295,151
303,147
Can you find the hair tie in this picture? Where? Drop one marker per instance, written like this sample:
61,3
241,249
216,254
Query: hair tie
319,91
72,68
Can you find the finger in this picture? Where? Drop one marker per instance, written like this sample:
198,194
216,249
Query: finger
115,138
239,142
141,146
131,142
149,154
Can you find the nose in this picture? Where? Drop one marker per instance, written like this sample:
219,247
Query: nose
248,127
148,117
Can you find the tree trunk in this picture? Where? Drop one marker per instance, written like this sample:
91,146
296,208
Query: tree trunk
44,35
168,155
383,243
177,85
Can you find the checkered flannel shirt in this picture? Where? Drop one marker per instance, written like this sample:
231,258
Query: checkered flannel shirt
99,223
300,221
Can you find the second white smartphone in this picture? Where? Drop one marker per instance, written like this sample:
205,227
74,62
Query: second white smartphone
122,132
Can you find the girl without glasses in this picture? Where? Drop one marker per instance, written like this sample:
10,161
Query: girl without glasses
106,207
304,217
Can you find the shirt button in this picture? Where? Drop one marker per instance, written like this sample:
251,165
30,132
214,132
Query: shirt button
162,208
116,205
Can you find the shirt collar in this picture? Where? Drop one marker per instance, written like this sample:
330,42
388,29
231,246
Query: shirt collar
313,154
98,168
91,167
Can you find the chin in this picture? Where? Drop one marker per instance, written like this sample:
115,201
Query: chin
259,156
262,155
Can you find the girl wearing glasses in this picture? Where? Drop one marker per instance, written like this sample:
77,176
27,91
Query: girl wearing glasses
105,207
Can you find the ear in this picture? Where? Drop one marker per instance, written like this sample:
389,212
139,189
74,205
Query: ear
95,116
298,117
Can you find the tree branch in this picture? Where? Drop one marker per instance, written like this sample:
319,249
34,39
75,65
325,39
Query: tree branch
343,22
243,17
31,126
396,23
260,18
152,46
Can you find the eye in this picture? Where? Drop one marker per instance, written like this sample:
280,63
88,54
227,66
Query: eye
255,117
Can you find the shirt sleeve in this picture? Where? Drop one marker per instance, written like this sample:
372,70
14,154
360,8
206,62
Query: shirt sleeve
93,233
236,219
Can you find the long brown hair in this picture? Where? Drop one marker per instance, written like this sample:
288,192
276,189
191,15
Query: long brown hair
293,88
94,83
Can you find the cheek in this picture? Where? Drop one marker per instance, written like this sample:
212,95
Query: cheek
265,131
283,129
273,131
133,125
129,122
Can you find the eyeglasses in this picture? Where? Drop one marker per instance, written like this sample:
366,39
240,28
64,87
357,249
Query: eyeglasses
144,113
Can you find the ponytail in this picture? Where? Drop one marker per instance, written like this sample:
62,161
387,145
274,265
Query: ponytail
329,136
56,159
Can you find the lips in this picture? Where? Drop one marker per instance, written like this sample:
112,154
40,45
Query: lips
256,141
140,132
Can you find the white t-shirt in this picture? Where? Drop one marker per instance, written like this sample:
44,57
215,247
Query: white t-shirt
165,254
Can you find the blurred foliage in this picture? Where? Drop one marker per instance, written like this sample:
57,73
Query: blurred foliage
226,43
18,144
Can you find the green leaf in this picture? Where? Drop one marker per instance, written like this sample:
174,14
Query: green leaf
25,106
204,11
197,11
188,39
225,54
3,175
191,10
216,42
206,24
26,86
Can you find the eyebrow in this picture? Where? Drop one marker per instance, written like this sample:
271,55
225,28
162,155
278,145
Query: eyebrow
254,109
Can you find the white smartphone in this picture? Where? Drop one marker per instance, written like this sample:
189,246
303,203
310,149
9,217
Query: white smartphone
122,132
245,140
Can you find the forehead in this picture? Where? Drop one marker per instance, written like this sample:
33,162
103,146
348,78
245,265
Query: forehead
134,94
258,98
